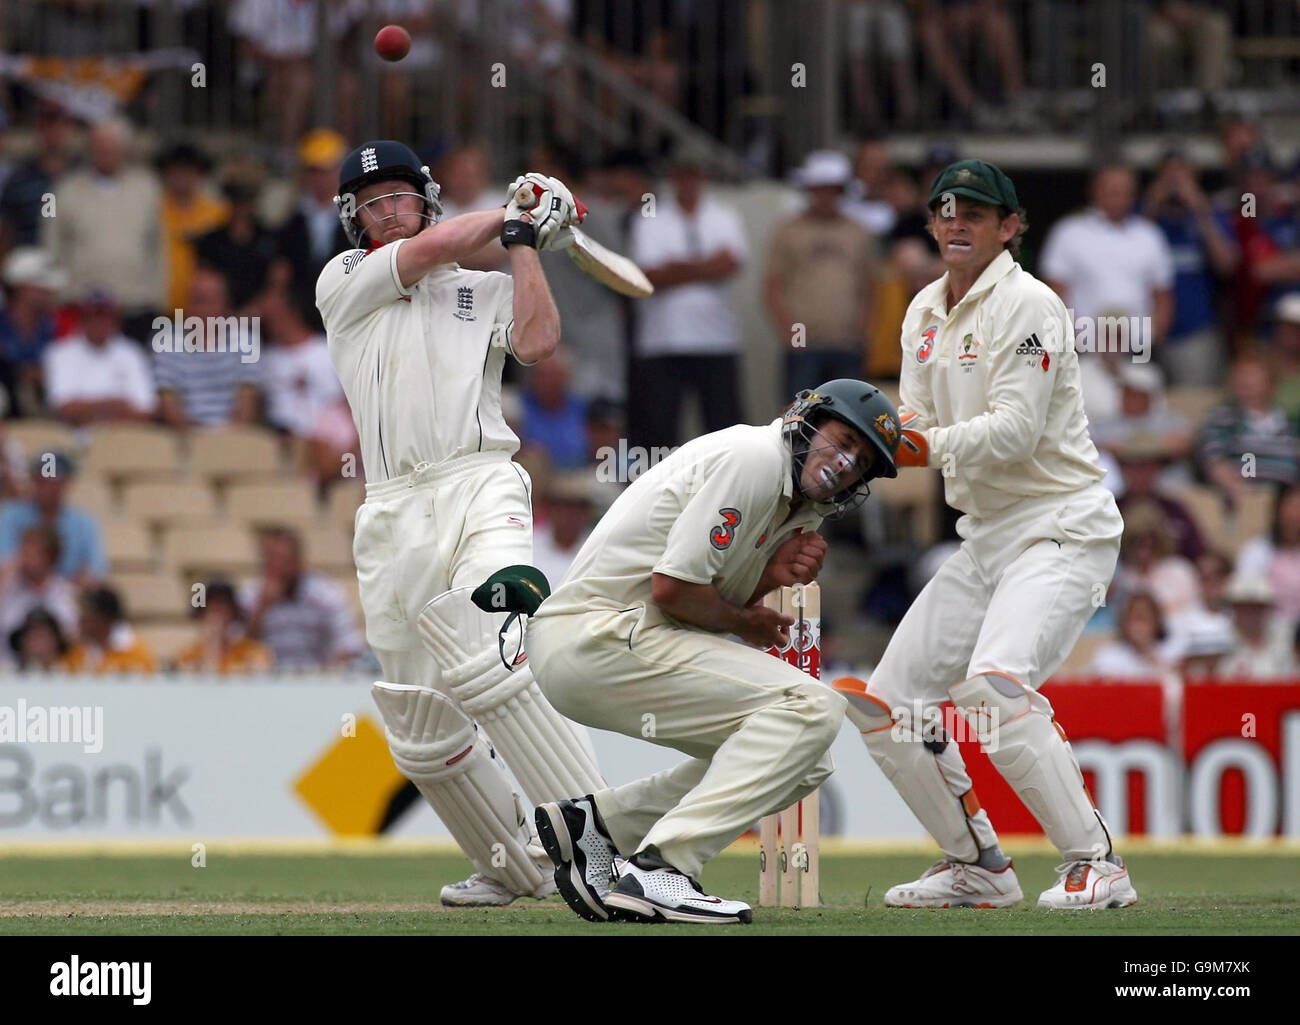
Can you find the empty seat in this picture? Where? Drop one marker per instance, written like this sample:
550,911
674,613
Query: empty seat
328,549
344,498
233,452
1194,403
152,595
133,451
215,549
37,436
290,502
128,545
93,495
169,501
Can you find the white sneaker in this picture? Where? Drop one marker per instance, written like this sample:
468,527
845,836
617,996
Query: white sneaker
480,891
666,895
583,854
1099,883
957,884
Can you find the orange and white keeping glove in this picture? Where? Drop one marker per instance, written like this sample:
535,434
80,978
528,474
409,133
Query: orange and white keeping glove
913,449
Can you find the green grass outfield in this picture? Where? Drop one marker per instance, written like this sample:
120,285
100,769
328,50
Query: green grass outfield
367,888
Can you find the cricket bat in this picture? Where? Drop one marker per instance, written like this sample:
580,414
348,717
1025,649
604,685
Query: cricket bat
611,269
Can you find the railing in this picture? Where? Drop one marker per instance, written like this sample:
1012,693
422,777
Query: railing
756,83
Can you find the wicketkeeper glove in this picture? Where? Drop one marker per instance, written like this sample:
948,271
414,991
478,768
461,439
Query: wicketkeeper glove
913,449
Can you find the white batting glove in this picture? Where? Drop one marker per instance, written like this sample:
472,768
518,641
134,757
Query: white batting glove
553,210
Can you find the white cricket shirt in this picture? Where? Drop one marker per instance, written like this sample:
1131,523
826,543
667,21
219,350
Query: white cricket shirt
711,513
421,367
995,386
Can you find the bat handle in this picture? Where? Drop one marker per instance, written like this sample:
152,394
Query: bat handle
525,197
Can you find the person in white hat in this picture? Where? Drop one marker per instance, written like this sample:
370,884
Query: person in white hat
1286,354
31,282
1263,638
819,283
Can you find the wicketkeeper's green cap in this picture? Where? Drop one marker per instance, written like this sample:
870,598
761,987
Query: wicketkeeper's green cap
513,589
976,180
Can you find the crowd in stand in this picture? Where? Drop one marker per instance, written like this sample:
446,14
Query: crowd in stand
103,256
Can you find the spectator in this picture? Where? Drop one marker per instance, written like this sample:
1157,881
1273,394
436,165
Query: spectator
1143,459
879,27
1267,228
299,376
1142,650
555,419
30,580
687,333
864,199
109,231
1109,262
1204,642
1148,561
1263,638
99,375
820,281
1144,412
223,644
939,22
105,641
465,175
189,211
1285,356
1276,556
1248,439
302,616
23,203
13,466
1190,28
243,249
212,386
569,515
82,559
39,644
313,234
26,327
1203,250
1214,570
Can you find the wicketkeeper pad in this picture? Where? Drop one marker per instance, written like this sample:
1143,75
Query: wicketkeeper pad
541,747
441,752
1033,756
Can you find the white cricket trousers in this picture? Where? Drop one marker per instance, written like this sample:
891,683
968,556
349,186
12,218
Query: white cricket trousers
447,525
757,729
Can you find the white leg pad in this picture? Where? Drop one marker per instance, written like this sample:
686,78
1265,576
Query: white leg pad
441,752
931,777
542,748
1032,755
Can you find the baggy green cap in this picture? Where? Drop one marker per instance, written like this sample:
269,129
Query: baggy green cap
975,179
513,589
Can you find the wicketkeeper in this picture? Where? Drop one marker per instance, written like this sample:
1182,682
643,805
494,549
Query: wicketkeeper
990,396
635,640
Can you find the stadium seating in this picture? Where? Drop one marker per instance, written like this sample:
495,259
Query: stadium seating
288,501
133,451
163,502
235,452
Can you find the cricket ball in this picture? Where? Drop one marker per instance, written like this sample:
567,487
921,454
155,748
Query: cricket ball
392,42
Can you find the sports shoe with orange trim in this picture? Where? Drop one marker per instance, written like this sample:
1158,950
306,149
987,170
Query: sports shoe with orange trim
956,884
1099,883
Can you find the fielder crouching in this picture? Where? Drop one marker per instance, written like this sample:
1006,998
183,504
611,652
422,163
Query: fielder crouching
634,640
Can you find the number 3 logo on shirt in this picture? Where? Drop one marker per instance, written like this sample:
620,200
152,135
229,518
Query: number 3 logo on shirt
724,533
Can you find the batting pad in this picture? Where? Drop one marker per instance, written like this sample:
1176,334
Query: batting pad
1033,756
542,748
441,752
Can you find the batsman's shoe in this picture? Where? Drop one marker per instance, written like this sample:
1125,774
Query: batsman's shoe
666,895
956,884
583,854
480,891
1099,883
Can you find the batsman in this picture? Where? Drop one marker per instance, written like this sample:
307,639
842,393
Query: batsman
419,345
990,396
635,640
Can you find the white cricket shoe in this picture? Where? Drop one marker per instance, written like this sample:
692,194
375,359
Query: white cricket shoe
957,884
666,895
480,891
583,854
1099,883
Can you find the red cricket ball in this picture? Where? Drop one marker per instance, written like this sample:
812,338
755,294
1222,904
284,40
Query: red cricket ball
392,42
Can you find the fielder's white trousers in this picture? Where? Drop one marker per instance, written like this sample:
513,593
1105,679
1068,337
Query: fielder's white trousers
757,729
